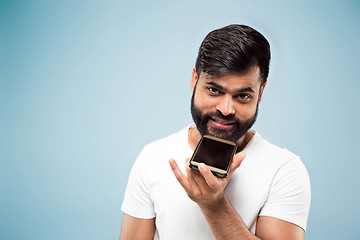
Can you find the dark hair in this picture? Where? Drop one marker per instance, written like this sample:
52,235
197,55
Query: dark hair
234,48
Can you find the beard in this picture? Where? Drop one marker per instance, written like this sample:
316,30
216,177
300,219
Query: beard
237,132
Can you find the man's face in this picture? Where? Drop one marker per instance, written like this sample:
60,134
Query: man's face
226,106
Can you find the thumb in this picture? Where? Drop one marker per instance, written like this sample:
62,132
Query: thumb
236,162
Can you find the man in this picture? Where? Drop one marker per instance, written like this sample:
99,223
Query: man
268,197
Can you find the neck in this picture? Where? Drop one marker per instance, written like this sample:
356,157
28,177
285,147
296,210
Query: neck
194,137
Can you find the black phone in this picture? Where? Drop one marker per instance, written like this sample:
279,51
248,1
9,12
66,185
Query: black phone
216,153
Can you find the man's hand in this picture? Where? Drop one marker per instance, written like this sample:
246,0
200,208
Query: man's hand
208,192
202,186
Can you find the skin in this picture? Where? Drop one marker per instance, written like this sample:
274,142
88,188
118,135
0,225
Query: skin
136,228
236,94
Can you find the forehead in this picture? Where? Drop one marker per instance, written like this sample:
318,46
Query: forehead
232,81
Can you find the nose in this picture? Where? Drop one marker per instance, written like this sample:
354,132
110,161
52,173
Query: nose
226,105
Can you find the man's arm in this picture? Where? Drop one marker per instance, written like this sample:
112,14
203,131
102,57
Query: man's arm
227,224
208,192
274,228
137,228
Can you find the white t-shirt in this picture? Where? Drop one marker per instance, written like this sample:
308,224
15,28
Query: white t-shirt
271,181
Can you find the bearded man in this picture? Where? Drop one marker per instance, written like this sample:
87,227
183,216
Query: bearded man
267,197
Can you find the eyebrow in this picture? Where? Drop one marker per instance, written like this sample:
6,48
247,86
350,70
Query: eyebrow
241,90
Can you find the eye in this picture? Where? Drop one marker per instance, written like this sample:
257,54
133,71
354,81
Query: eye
244,97
213,91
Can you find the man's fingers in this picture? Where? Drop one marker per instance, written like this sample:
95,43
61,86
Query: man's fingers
182,179
210,179
236,162
191,175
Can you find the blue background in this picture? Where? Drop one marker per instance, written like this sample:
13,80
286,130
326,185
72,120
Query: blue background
86,84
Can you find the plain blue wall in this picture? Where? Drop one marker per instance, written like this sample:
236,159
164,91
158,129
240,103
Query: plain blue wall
85,84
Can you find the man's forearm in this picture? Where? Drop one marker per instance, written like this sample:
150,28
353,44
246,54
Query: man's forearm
224,221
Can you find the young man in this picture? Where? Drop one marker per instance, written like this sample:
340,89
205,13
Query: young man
268,197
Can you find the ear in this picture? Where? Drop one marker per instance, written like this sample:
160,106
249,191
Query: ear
262,90
194,79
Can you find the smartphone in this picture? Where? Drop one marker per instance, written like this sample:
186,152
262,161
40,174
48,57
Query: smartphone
215,153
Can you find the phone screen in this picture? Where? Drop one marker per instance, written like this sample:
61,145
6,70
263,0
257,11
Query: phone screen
214,152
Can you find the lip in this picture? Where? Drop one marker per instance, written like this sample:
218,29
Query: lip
221,124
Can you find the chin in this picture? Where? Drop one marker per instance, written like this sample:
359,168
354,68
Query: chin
222,134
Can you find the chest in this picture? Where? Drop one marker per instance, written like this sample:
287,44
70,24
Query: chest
247,192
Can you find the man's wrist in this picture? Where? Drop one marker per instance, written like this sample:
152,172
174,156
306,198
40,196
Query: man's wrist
215,204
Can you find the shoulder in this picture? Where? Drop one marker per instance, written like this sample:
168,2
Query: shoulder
282,165
165,148
289,193
268,152
269,159
168,142
155,156
152,164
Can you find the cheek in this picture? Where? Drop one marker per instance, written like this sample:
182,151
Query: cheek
203,101
246,111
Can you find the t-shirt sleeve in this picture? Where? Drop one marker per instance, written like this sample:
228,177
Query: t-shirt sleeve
137,201
290,194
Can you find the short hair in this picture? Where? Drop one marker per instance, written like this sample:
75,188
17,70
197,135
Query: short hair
231,49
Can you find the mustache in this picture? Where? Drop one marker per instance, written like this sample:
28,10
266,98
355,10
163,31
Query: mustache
231,117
